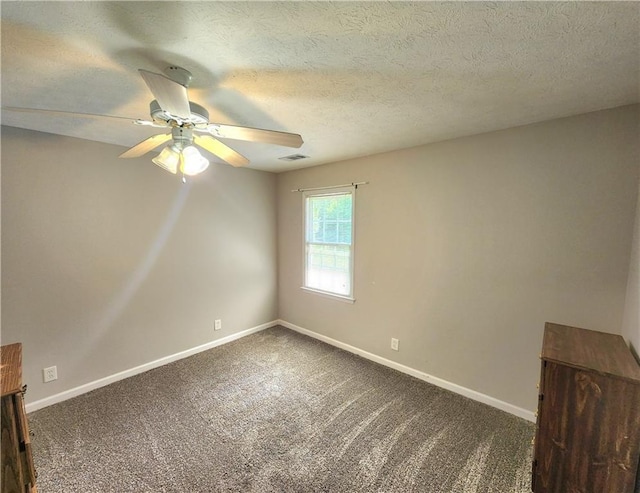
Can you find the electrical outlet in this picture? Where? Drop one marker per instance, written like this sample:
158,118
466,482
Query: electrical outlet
218,325
50,374
394,344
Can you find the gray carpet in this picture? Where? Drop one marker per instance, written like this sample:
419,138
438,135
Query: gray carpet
278,412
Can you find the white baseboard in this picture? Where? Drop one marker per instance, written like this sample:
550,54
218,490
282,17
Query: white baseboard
458,389
96,384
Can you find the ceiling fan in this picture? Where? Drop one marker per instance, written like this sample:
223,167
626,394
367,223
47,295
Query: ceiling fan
189,127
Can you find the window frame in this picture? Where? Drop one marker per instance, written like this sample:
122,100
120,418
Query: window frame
349,298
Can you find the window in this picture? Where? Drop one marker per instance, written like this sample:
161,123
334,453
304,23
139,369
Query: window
328,266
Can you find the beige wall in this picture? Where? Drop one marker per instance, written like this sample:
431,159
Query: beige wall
110,263
631,325
465,248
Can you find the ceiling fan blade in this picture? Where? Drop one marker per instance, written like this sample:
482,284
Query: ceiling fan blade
63,113
171,96
146,145
149,123
221,150
254,135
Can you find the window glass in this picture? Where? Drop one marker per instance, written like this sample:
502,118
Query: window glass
329,242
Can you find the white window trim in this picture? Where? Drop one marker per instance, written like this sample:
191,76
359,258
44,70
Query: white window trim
350,298
329,294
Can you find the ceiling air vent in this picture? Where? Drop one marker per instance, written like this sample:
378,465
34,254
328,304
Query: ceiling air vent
293,157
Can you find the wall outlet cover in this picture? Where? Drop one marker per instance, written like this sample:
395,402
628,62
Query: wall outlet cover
50,374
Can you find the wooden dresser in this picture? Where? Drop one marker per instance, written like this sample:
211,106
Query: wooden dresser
588,429
17,473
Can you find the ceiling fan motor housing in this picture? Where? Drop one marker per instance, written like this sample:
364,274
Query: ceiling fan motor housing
199,115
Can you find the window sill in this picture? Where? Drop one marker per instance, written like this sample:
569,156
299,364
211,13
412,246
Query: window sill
326,294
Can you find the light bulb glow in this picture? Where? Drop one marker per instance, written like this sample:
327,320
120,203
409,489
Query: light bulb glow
192,162
168,159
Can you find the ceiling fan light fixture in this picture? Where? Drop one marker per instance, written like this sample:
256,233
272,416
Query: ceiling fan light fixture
168,159
192,162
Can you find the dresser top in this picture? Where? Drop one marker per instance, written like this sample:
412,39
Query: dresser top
11,368
591,350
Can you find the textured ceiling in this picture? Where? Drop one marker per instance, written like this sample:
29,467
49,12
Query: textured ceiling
352,78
